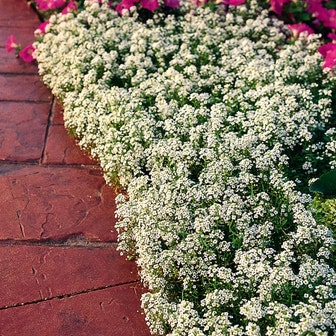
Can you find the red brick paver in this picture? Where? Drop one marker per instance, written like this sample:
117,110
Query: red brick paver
86,314
60,271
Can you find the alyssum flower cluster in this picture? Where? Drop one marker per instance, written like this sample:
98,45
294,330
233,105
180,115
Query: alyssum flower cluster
214,125
304,16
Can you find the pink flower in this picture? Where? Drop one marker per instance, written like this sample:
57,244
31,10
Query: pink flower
41,29
199,2
332,36
234,2
172,3
11,44
330,60
328,51
124,4
27,53
46,5
313,5
299,28
330,20
71,7
150,4
325,48
277,5
316,8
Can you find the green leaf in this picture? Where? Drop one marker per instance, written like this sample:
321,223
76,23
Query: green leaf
326,184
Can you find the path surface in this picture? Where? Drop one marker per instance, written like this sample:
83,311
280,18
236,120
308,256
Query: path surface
60,273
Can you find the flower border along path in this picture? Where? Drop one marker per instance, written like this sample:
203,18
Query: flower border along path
215,125
60,272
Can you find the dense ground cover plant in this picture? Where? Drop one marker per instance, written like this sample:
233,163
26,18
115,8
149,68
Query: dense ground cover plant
214,124
304,16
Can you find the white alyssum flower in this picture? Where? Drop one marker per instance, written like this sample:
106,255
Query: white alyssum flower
209,122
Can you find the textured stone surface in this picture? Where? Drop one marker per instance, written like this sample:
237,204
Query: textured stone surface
61,148
18,19
23,88
24,35
110,312
34,273
55,202
57,114
22,130
10,64
17,14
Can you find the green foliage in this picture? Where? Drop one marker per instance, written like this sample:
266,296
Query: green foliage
324,211
326,184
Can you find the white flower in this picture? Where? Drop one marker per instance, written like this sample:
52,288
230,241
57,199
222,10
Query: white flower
207,123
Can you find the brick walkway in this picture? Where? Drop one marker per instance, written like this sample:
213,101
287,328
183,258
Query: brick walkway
60,273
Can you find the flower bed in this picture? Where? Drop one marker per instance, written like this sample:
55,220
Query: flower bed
213,123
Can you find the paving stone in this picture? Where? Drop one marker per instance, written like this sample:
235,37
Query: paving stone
23,88
109,312
24,35
22,130
9,63
18,19
16,13
61,148
33,273
39,202
57,114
